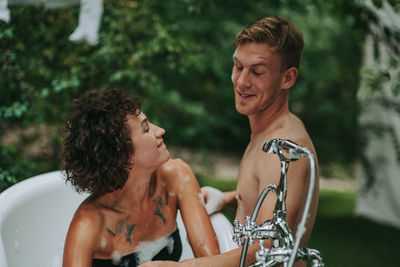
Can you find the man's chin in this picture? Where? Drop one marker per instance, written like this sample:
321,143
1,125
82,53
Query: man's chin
241,110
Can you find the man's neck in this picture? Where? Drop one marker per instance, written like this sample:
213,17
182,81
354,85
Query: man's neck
268,119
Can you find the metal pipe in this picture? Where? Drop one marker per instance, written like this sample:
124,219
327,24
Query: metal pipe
284,249
253,217
301,228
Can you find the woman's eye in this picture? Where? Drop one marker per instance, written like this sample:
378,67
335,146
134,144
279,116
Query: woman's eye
147,130
256,73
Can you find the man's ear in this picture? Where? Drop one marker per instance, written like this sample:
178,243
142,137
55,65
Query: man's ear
289,78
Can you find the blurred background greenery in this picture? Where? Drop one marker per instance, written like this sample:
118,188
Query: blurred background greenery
177,56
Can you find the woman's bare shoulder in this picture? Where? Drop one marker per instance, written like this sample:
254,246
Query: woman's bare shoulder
176,171
83,236
87,218
173,167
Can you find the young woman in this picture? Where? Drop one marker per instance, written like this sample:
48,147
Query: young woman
112,150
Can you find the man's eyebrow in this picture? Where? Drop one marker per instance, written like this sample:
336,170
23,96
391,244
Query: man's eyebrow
253,65
260,64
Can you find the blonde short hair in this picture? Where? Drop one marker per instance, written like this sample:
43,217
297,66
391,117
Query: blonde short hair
278,33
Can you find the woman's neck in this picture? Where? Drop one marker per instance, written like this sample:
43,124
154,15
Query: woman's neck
135,194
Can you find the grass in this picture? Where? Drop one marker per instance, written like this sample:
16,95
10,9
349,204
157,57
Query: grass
343,239
346,240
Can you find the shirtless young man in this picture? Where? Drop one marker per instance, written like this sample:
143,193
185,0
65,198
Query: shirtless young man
266,63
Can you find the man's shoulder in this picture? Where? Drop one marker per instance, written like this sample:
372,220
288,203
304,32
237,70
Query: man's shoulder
293,129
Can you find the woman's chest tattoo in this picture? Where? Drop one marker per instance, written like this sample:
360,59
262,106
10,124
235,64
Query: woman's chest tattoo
123,227
160,206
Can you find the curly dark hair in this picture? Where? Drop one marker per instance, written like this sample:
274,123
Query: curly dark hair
97,147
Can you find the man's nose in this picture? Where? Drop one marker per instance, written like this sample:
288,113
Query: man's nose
243,79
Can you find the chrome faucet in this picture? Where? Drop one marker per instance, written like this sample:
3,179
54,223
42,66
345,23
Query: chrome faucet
285,249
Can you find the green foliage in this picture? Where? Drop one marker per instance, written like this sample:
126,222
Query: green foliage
177,56
379,90
386,67
343,238
12,166
325,93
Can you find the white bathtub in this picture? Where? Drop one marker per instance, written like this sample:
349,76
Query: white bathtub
35,215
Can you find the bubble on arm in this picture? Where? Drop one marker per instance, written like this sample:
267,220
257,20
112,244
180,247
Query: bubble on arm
201,198
103,243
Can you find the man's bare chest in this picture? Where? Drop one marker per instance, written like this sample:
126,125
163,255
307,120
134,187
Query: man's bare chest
247,185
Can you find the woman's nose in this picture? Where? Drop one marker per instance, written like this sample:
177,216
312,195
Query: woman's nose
159,131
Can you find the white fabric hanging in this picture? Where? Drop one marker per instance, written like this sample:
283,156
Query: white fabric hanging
89,22
378,173
4,11
90,15
45,3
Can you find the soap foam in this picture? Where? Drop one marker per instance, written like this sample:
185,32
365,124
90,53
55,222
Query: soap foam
148,249
116,257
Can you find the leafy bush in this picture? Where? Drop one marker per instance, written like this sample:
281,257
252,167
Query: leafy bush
176,55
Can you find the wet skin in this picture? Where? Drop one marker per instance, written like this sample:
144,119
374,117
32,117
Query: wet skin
115,224
261,88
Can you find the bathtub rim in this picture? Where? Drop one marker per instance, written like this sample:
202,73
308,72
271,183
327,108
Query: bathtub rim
20,192
11,197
